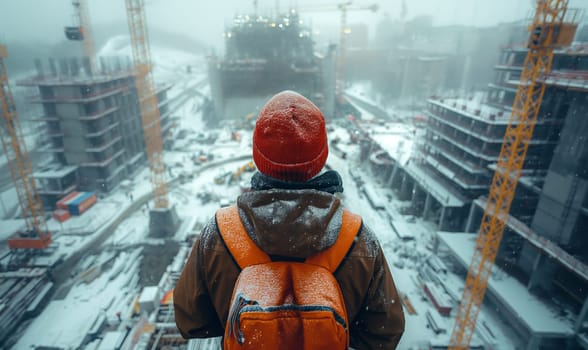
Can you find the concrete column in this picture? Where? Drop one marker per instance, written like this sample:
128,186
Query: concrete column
536,274
370,149
414,194
436,243
582,317
392,174
427,208
534,342
364,148
441,224
470,223
388,170
405,188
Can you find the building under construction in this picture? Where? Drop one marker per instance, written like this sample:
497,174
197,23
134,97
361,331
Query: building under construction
264,56
544,247
91,123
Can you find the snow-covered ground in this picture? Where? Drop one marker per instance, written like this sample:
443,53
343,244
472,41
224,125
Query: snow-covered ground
65,323
115,260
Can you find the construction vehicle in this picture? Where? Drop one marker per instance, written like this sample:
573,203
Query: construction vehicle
36,234
249,167
553,26
82,30
147,100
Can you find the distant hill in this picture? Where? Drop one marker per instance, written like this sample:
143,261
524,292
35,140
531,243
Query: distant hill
22,54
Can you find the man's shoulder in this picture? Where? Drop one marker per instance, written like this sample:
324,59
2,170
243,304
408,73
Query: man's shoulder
210,238
366,244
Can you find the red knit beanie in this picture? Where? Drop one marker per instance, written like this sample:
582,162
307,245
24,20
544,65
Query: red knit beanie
290,140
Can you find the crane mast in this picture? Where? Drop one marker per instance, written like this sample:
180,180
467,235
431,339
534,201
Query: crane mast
343,7
36,235
547,31
82,31
340,72
147,99
88,42
344,31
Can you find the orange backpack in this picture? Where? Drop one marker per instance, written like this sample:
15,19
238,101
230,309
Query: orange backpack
285,305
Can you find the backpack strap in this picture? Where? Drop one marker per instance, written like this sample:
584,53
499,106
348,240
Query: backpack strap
240,245
332,257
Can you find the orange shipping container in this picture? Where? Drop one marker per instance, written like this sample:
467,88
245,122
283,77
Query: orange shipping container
61,215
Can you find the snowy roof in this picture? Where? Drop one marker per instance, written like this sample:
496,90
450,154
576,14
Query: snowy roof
570,80
512,294
149,294
360,97
111,340
439,190
402,229
361,92
474,109
55,172
49,80
394,142
432,58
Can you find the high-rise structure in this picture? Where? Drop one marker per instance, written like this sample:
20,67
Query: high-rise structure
541,264
547,250
259,47
92,125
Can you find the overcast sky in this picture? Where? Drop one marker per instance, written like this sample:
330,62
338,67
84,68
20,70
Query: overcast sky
43,20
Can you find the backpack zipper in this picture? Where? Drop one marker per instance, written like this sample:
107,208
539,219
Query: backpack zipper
235,316
243,304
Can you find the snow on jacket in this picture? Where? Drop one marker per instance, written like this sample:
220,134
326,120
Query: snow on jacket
291,225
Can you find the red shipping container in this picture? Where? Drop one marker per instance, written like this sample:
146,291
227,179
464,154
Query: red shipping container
62,203
61,215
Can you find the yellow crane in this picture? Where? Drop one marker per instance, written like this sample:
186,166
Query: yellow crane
343,7
36,235
550,29
147,99
82,30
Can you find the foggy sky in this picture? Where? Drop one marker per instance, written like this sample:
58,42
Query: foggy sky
43,20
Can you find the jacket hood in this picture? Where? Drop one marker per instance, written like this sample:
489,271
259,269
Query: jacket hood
291,223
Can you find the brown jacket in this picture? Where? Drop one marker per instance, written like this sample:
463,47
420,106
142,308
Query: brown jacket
291,225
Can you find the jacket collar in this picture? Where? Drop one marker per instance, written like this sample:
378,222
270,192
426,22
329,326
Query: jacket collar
329,181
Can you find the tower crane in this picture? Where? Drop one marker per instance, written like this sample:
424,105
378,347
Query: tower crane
36,235
147,100
550,29
343,7
82,30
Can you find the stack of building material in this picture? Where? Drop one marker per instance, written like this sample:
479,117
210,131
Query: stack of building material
61,215
149,299
80,203
75,203
62,203
23,294
439,298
